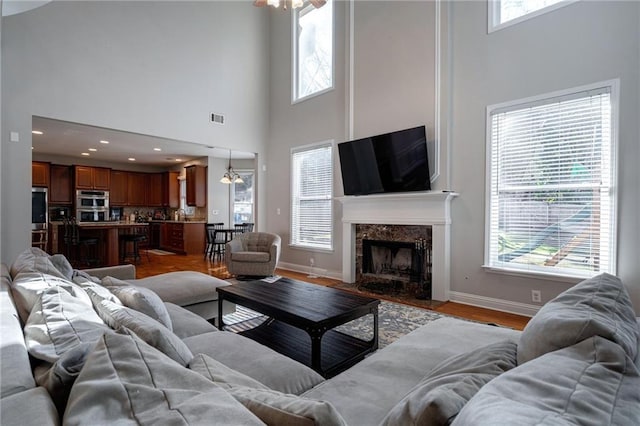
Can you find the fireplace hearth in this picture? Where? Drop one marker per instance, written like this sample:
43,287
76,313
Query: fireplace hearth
393,259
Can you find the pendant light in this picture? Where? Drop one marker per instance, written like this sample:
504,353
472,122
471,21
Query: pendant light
230,176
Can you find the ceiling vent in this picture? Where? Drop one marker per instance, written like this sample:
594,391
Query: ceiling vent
217,118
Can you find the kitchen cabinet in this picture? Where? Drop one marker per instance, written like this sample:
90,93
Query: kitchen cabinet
92,178
154,235
182,237
171,190
196,186
118,194
137,189
39,174
60,185
155,191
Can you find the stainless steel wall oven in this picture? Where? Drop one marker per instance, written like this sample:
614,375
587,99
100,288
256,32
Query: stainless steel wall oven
92,206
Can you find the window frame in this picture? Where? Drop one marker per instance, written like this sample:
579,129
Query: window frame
294,53
493,14
232,195
573,275
304,148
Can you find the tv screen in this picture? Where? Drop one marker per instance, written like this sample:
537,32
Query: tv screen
392,162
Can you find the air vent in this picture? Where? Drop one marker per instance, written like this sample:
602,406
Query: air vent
217,118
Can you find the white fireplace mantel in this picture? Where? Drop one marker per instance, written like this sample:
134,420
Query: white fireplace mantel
408,208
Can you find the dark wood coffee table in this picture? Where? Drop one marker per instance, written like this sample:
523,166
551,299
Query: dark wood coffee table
301,321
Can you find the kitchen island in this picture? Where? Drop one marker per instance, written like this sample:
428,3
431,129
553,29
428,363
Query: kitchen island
107,234
182,237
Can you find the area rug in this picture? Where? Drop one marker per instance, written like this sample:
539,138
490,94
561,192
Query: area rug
394,321
160,252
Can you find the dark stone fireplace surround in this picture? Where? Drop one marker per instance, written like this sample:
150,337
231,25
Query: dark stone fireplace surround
400,241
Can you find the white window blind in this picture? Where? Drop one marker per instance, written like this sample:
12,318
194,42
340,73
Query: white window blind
311,197
552,206
313,50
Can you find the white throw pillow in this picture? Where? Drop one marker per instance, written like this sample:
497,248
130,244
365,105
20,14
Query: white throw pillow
59,322
143,300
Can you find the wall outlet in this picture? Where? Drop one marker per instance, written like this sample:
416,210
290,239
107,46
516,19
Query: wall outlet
536,296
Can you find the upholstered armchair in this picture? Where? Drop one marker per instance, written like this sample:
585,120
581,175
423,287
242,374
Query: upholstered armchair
253,254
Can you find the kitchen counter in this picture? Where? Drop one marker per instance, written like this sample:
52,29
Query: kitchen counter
178,221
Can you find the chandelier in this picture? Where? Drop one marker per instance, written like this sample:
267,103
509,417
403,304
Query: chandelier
293,4
230,176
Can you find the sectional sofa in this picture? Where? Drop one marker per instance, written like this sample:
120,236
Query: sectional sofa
78,349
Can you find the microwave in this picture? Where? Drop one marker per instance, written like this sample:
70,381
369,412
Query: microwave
92,215
92,199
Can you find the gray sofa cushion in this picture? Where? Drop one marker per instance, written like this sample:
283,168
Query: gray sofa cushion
125,381
143,300
384,378
259,362
593,382
31,408
186,323
15,368
35,260
59,322
148,329
440,396
272,407
183,287
599,306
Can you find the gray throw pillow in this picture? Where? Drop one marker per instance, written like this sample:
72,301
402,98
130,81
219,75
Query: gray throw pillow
143,300
127,382
62,265
599,306
59,322
148,329
591,383
440,395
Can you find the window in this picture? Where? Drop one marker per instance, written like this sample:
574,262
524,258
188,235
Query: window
503,13
313,50
312,197
242,198
551,173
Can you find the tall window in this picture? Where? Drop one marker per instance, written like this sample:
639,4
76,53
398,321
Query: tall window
311,197
552,173
503,13
242,197
313,50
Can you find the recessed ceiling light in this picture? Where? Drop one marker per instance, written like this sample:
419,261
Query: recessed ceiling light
157,149
92,149
86,154
104,142
36,132
178,159
31,147
132,159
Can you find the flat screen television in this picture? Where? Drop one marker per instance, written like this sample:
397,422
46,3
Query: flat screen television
392,162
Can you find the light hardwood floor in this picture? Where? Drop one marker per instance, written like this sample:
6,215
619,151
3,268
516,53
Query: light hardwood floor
157,264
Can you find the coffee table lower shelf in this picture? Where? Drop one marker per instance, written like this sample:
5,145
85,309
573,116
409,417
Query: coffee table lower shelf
339,351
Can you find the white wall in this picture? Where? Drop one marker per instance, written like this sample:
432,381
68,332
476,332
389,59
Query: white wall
155,68
585,42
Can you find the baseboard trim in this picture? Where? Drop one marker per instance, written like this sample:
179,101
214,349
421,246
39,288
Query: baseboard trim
336,275
502,305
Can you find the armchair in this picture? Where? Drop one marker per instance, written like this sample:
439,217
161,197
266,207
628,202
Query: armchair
253,254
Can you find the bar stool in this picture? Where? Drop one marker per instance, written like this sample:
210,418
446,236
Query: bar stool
130,245
87,246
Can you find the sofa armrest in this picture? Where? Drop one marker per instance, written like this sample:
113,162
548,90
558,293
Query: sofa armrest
121,272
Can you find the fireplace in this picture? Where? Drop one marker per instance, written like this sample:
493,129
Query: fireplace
429,210
393,258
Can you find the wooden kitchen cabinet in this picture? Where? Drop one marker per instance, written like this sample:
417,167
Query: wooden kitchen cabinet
92,178
40,174
137,189
196,186
182,238
171,190
118,194
155,188
60,185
